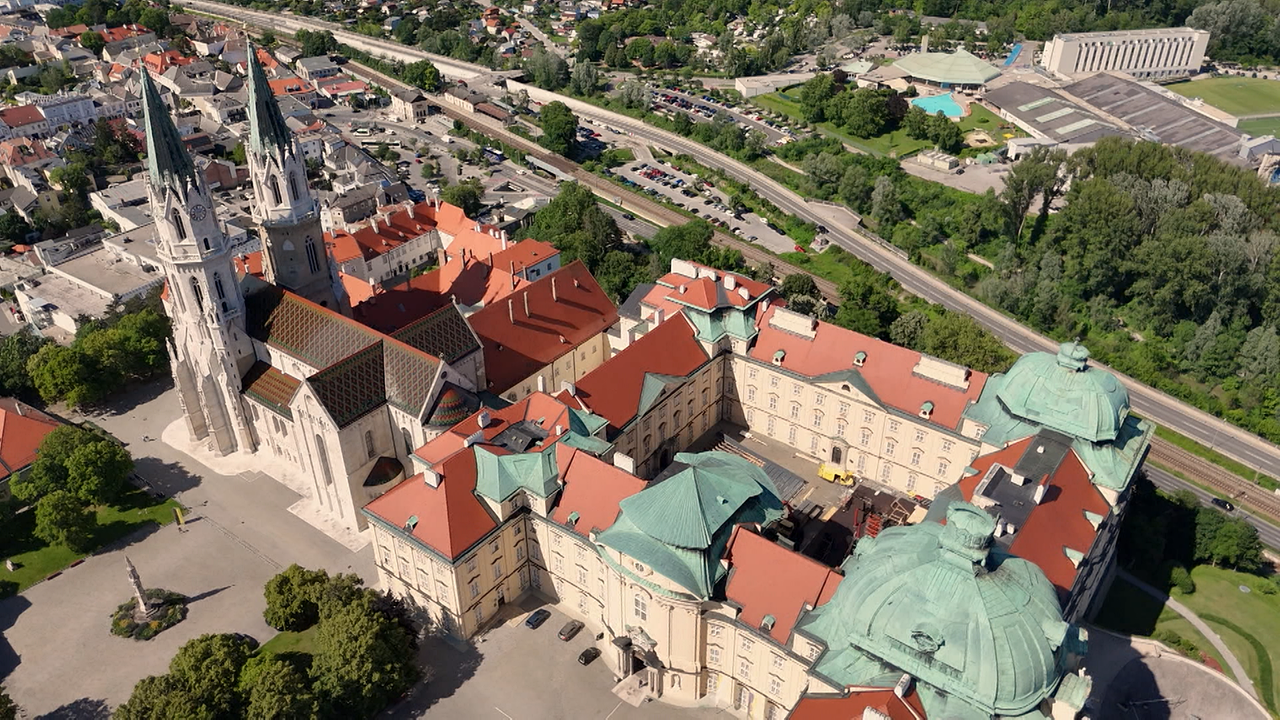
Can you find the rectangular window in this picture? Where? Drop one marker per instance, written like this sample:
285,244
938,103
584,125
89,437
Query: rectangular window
889,447
773,402
943,468
713,654
517,530
641,607
795,389
770,428
582,576
868,416
744,668
519,552
817,419
714,631
894,425
814,650
713,680
559,563
751,373
747,645
791,434
497,570
474,586
493,547
919,436
479,614
775,685
813,442
773,381
751,393
555,539
819,398
795,411
947,445
916,455
777,662
471,565
911,482
844,408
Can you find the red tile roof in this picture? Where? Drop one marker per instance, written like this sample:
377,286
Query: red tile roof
22,115
451,518
290,86
22,429
23,151
1058,522
592,489
612,390
538,406
855,704
768,579
534,327
889,369
709,290
250,263
382,233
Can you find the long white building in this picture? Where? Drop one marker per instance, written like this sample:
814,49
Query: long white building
1157,53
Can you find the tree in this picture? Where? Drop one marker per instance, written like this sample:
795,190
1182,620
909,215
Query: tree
633,94
867,114
422,74
689,241
548,70
559,127
209,668
584,79
1259,356
916,123
293,598
908,329
15,351
8,708
92,41
814,95
49,471
468,195
1236,545
67,373
316,43
576,225
799,284
97,472
1036,175
886,208
363,659
62,519
959,339
268,39
945,134
865,307
279,691
163,697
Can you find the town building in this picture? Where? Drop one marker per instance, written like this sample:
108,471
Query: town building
22,429
1158,53
410,105
315,68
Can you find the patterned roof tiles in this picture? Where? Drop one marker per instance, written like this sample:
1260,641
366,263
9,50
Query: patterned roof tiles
315,335
452,407
354,386
271,387
444,334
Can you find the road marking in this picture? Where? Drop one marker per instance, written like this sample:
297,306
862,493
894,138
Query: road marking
508,717
611,712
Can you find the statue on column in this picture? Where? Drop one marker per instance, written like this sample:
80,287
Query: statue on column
143,610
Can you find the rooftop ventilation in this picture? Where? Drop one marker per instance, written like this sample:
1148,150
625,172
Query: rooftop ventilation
1041,489
779,356
730,283
903,686
926,410
484,418
573,518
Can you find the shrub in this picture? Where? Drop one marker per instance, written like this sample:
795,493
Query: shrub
1177,642
172,610
1181,579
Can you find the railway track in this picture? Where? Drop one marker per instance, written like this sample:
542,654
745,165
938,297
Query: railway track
1206,473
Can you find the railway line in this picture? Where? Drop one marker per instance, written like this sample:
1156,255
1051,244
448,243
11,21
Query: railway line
1206,473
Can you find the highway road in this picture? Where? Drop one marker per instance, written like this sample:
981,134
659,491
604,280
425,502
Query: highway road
1267,532
1147,401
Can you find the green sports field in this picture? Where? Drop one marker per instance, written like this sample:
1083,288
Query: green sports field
1235,95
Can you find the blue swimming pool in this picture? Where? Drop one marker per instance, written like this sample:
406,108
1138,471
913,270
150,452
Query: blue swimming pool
1013,55
934,103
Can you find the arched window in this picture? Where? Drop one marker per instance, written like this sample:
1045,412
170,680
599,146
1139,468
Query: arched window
206,244
408,440
368,444
313,258
323,459
199,294
293,187
217,285
274,184
836,455
178,225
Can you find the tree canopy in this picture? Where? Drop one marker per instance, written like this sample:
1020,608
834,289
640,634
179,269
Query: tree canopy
559,127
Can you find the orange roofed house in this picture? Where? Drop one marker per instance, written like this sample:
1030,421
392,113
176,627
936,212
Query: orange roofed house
22,429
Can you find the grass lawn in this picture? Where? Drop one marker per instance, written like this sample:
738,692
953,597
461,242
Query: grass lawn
896,143
291,642
1236,95
1248,622
1129,610
36,561
1262,126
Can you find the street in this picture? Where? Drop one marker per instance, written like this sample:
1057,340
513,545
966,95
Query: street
1267,532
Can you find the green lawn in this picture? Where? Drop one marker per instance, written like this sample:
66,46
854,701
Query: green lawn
1130,611
896,143
35,561
1236,616
1235,95
291,642
1263,126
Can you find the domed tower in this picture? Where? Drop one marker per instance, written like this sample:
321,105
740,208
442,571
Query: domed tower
1066,394
294,255
210,350
980,631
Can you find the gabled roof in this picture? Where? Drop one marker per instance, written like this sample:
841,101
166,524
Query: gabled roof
452,406
614,390
444,334
855,704
450,517
592,490
889,370
271,387
21,115
315,335
539,408
768,580
22,429
534,327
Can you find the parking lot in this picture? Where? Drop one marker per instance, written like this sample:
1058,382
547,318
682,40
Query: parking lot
514,673
703,108
666,182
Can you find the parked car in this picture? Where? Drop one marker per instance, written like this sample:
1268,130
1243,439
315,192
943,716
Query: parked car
536,618
588,655
1224,504
570,629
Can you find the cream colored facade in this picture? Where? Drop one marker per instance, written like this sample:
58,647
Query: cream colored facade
568,368
681,415
1155,53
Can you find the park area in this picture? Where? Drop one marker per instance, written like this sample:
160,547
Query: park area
896,143
1239,96
1243,609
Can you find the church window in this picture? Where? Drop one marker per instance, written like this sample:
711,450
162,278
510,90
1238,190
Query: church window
323,460
217,285
178,225
368,444
274,184
293,187
206,245
195,290
313,258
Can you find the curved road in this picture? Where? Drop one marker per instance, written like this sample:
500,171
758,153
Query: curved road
1147,401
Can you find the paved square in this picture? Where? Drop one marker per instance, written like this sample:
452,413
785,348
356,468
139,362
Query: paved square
514,673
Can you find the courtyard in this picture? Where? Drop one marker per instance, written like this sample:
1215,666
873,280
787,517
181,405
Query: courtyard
513,673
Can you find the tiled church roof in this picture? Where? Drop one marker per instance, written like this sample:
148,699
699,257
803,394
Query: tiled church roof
272,387
444,333
315,335
354,386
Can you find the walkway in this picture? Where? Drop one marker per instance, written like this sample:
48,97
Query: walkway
1236,668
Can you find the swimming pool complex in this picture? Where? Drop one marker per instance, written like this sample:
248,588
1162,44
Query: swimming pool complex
934,103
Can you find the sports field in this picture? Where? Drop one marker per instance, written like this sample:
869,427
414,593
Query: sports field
1235,95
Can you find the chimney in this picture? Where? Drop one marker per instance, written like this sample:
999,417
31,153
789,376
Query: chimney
542,384
555,297
526,303
742,293
559,430
683,289
411,208
1041,489
729,282
373,223
18,406
569,387
484,418
441,258
511,311
903,686
658,316
431,477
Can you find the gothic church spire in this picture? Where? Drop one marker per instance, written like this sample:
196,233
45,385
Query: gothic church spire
267,131
167,158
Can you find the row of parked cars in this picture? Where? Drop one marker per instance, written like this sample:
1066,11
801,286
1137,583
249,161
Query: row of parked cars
567,633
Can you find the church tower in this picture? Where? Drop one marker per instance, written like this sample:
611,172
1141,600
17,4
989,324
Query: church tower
294,255
210,350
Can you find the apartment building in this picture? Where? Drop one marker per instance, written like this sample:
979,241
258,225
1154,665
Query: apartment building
1151,54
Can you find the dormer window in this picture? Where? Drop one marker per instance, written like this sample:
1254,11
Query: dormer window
926,410
779,356
860,359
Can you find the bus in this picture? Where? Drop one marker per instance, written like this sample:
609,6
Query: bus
375,143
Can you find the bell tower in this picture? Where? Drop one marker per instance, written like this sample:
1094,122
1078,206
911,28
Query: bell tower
294,255
210,351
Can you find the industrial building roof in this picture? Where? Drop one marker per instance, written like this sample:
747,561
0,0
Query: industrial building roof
1052,114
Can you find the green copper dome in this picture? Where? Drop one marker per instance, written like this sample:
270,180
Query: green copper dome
971,623
1065,394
